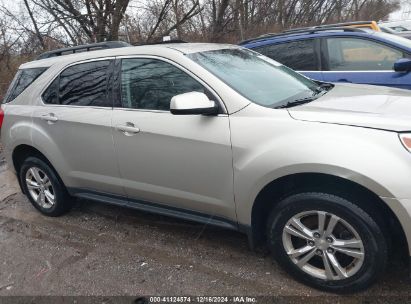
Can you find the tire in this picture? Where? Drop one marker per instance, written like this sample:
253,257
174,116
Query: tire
367,246
39,178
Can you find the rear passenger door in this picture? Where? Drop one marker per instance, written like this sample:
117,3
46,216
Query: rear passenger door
302,56
75,126
363,61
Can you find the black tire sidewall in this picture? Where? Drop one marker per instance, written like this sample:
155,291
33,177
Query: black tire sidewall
373,239
61,197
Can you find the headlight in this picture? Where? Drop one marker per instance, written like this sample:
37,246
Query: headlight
406,140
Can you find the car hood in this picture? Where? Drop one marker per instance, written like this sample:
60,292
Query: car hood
360,105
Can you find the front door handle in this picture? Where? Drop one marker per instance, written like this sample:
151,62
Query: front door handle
50,118
128,129
344,80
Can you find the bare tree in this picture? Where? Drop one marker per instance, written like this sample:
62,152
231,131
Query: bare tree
182,12
219,20
94,20
33,20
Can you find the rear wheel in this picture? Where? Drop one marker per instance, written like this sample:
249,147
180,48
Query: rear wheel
43,187
327,242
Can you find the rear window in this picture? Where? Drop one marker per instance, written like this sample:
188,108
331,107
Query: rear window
21,81
84,84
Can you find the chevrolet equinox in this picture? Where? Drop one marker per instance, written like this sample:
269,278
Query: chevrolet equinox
221,135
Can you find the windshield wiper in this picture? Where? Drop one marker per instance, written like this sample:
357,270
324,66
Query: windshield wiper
317,93
323,87
297,102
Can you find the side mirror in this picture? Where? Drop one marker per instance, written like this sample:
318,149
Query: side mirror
193,103
402,65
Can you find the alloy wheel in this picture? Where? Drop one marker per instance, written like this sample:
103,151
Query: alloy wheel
323,245
40,188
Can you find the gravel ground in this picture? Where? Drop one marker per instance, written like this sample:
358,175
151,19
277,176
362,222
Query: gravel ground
104,250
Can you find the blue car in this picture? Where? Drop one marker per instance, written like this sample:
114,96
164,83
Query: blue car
341,54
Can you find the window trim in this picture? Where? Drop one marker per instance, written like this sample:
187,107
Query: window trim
316,49
110,72
325,55
117,83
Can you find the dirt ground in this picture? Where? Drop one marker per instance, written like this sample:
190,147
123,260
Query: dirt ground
103,250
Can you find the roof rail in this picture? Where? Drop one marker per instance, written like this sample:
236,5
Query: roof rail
342,24
308,30
322,29
161,42
83,48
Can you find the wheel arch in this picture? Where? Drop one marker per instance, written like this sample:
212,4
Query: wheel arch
270,195
22,152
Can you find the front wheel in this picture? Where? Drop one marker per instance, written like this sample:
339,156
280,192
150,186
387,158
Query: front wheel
327,242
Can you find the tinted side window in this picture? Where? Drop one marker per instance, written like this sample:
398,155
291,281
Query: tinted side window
85,84
50,95
21,81
351,54
150,84
298,55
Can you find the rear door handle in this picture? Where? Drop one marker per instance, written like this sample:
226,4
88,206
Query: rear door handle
343,80
51,117
128,129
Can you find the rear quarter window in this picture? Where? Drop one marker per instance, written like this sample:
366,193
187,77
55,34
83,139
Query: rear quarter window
21,81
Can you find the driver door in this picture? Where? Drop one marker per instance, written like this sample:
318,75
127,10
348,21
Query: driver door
177,161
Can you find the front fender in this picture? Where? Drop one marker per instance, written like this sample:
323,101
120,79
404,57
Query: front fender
269,147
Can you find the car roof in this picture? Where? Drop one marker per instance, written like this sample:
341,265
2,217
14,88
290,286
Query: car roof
383,37
153,49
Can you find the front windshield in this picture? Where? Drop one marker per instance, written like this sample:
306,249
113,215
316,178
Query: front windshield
258,78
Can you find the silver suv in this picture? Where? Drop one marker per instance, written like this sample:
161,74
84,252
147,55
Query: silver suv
224,136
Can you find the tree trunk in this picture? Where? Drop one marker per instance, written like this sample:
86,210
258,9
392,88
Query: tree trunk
218,26
36,28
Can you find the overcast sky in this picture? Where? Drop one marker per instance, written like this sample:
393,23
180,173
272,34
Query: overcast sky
403,13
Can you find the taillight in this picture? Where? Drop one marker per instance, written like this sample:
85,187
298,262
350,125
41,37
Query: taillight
1,117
